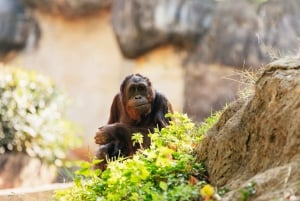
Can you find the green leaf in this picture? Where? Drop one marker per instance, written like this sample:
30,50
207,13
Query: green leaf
163,185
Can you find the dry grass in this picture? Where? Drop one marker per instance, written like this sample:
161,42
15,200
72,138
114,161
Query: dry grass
246,79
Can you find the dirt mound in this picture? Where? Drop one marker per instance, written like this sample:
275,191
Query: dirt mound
258,139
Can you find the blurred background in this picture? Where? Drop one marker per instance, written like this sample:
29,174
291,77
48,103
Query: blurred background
193,51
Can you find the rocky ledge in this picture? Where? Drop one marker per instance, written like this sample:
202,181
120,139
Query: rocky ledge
257,139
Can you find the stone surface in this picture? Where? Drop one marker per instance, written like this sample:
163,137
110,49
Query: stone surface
69,8
143,25
249,35
258,139
243,35
20,170
40,193
207,88
278,183
232,37
18,28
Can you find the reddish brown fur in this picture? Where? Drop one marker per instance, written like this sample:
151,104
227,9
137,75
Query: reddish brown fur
133,114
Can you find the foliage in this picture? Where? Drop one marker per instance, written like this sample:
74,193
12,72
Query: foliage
248,191
165,171
31,116
208,123
223,190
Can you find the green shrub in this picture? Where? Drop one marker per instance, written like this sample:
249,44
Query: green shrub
165,171
31,116
248,191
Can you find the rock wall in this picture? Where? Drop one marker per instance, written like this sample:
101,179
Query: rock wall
141,26
19,169
197,43
18,28
82,57
244,36
69,8
207,88
257,138
211,34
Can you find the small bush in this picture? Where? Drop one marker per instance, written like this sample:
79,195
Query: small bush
165,171
31,116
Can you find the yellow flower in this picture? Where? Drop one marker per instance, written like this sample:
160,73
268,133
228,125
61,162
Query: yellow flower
207,191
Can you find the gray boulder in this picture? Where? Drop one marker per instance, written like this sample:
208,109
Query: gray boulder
18,28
